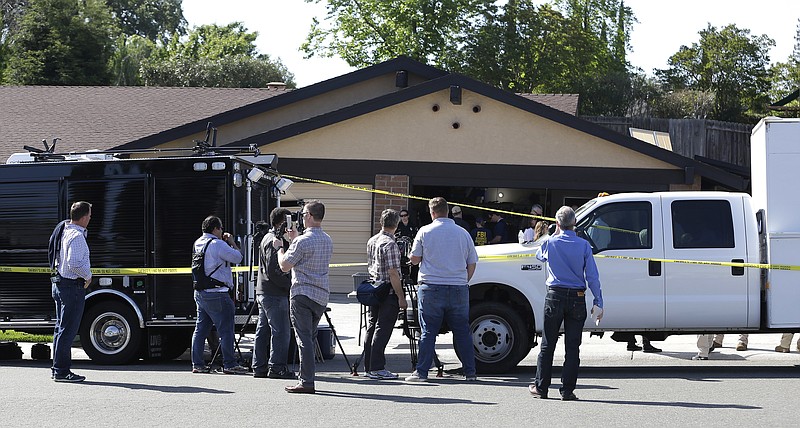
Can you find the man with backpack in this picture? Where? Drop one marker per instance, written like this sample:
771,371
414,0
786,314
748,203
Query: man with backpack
273,330
216,250
69,255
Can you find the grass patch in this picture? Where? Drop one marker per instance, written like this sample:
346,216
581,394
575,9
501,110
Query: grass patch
16,336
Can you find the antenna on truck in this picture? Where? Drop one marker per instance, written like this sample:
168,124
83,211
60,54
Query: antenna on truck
201,148
48,153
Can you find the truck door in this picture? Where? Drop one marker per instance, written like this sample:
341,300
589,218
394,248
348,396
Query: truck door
633,290
703,295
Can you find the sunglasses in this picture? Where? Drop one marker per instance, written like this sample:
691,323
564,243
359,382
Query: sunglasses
403,215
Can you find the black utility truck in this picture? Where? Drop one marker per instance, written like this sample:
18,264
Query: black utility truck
146,214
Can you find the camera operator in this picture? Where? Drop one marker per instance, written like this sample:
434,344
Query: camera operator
214,305
272,294
308,258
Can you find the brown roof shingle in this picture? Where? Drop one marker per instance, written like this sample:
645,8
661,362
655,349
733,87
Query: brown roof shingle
101,117
568,103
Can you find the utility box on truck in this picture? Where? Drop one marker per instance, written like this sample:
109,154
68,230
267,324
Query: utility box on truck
775,148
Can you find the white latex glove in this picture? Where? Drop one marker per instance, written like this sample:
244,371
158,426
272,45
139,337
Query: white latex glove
597,314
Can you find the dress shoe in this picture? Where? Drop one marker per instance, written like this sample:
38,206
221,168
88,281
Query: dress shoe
650,348
634,347
535,392
260,375
569,397
716,345
300,389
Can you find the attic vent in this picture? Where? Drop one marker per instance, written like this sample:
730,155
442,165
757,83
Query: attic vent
276,85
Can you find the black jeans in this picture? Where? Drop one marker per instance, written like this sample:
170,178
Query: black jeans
567,306
379,330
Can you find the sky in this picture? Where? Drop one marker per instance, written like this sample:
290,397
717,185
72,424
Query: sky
663,27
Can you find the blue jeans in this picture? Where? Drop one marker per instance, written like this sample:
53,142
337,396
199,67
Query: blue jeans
213,309
569,307
69,296
450,303
379,330
273,332
306,314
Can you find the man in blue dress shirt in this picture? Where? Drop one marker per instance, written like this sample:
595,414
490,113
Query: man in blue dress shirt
570,267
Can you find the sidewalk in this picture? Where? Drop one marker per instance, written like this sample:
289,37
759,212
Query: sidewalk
595,351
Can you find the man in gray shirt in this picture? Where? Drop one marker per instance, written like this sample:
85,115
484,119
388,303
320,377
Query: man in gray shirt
447,259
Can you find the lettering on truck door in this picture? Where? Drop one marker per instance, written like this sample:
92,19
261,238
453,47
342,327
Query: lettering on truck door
698,295
633,290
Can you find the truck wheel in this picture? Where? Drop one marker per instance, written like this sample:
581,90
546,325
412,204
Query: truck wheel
110,333
498,336
175,343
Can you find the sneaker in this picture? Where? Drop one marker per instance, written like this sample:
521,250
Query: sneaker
741,346
260,375
282,374
69,377
699,357
780,348
716,345
472,378
205,369
415,377
235,370
382,375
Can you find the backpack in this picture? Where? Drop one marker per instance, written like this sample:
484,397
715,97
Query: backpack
54,245
274,272
201,281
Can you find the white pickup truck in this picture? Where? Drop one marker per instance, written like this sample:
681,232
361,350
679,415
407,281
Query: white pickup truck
667,261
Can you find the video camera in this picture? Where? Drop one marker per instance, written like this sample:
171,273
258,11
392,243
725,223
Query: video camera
291,219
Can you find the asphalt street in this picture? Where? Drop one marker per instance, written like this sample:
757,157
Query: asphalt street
615,387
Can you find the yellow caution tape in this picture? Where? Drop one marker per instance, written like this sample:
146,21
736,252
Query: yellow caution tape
146,271
406,196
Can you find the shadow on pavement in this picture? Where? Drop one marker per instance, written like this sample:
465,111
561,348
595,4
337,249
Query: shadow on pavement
401,399
159,388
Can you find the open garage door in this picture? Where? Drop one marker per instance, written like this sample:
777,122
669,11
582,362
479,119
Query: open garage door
348,220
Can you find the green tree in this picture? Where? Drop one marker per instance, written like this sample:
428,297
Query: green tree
366,32
785,79
216,56
728,62
61,42
150,19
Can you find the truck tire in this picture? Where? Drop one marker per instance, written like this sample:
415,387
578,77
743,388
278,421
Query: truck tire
498,336
110,333
174,344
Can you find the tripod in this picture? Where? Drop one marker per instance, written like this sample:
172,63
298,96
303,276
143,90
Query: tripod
341,348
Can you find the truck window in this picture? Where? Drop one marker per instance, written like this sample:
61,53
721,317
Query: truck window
702,224
618,226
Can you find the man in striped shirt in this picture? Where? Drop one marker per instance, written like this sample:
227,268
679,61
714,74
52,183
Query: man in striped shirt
69,289
308,258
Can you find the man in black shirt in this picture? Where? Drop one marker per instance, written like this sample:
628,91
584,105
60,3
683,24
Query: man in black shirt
272,293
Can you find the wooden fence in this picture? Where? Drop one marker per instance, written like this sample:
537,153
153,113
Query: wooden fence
723,141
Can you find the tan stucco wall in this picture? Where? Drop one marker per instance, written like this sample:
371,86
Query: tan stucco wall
295,112
498,134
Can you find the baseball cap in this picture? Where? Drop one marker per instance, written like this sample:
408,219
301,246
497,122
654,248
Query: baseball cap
456,209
